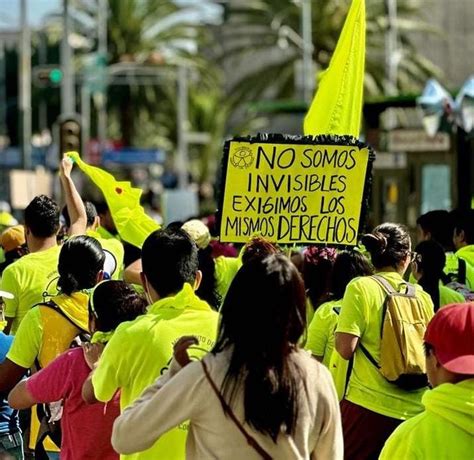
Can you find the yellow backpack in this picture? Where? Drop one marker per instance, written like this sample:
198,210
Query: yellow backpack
60,332
404,322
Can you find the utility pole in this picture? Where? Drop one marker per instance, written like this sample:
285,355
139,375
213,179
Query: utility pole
182,157
307,32
43,60
85,118
391,48
101,101
68,102
25,86
3,90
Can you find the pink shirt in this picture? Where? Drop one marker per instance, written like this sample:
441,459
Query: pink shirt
86,429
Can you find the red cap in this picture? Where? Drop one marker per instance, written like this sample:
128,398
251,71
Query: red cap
451,333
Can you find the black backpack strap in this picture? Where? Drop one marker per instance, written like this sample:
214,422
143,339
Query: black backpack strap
462,269
368,355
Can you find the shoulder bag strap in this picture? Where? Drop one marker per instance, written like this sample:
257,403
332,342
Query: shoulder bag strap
386,286
462,269
251,441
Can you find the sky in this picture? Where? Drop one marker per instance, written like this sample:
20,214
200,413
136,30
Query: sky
10,12
37,9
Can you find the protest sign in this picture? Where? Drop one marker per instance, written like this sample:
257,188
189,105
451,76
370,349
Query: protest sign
293,189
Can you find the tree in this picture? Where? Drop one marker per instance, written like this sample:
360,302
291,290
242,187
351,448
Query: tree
255,28
143,35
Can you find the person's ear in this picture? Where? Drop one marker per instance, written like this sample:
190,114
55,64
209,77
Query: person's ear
146,288
462,236
197,280
100,277
96,223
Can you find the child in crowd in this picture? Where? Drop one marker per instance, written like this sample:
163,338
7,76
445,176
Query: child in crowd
86,429
446,427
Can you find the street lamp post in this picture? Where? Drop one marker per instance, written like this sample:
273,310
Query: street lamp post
24,75
68,104
307,32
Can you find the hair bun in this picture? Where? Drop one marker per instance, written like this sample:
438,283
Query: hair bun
375,242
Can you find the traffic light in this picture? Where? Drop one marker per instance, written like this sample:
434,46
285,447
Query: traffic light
69,136
47,75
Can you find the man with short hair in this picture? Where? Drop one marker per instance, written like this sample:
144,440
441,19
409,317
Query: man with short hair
34,275
446,428
141,351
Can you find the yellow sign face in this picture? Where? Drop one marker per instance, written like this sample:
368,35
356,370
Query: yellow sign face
293,193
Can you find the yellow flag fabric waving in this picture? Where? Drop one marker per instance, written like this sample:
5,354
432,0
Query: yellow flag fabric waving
337,105
133,225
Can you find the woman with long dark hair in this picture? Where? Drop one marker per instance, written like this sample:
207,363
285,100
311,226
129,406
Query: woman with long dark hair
256,395
428,270
373,406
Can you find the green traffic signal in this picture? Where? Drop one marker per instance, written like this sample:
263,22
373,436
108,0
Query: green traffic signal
55,76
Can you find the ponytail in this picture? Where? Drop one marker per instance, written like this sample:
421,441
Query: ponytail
431,261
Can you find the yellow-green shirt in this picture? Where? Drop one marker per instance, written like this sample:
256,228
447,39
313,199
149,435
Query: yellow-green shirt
361,315
140,351
29,339
225,270
444,431
448,296
321,331
467,253
452,266
28,279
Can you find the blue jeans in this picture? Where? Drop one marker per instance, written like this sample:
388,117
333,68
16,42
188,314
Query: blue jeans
11,446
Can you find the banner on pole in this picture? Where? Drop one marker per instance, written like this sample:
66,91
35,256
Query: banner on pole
294,189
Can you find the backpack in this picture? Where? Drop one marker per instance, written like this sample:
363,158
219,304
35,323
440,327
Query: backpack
404,322
49,414
457,282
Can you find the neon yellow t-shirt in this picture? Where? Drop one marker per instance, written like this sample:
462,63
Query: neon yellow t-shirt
225,270
140,351
467,253
448,296
361,315
115,250
321,331
28,279
29,339
452,266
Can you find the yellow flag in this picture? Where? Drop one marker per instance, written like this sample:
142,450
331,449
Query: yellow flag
133,224
337,105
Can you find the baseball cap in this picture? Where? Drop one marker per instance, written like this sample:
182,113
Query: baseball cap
451,333
199,232
12,238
